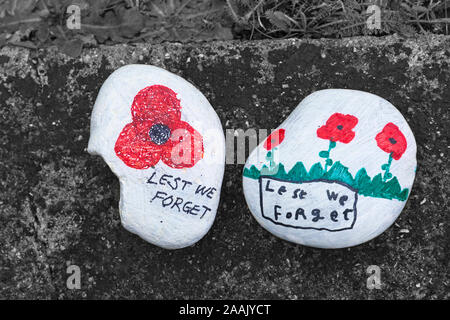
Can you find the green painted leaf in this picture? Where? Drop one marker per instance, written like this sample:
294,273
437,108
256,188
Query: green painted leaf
316,171
403,195
376,187
340,173
252,173
298,172
329,162
363,182
332,144
324,154
265,171
391,189
281,172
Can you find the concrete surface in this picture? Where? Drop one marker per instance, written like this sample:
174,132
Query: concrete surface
59,205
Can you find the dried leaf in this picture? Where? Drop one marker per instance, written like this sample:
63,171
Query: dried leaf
25,6
132,22
72,48
88,40
16,7
103,28
279,19
2,40
222,33
303,19
43,32
115,25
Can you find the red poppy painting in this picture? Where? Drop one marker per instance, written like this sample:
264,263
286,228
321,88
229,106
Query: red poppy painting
158,133
338,128
274,139
392,140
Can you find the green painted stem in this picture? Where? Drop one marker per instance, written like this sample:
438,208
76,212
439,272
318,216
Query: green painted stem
386,173
270,157
330,146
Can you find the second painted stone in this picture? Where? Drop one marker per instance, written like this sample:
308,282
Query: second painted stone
336,173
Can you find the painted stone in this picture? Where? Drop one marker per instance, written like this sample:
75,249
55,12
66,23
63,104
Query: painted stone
336,173
165,143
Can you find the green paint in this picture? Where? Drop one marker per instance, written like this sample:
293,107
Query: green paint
387,175
282,172
326,155
298,173
377,187
252,173
363,182
273,168
316,171
340,173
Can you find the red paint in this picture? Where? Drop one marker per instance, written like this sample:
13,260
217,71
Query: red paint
392,140
274,139
158,105
338,128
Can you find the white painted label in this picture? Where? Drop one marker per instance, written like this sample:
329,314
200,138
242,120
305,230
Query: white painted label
319,204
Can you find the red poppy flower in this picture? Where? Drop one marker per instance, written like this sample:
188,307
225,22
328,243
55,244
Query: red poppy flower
338,128
392,140
274,139
157,132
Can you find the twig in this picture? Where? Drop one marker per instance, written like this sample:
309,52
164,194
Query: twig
236,17
106,27
27,44
183,5
264,34
442,20
148,34
250,13
331,24
204,13
24,21
446,17
157,9
253,28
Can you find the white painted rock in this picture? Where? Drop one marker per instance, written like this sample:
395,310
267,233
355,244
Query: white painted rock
165,143
336,173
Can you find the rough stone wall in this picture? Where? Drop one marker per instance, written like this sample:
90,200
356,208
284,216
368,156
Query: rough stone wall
59,205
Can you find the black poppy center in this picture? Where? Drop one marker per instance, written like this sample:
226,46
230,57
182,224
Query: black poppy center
340,127
159,133
392,140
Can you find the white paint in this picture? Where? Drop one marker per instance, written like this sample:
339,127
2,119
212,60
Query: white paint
374,215
164,227
282,200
